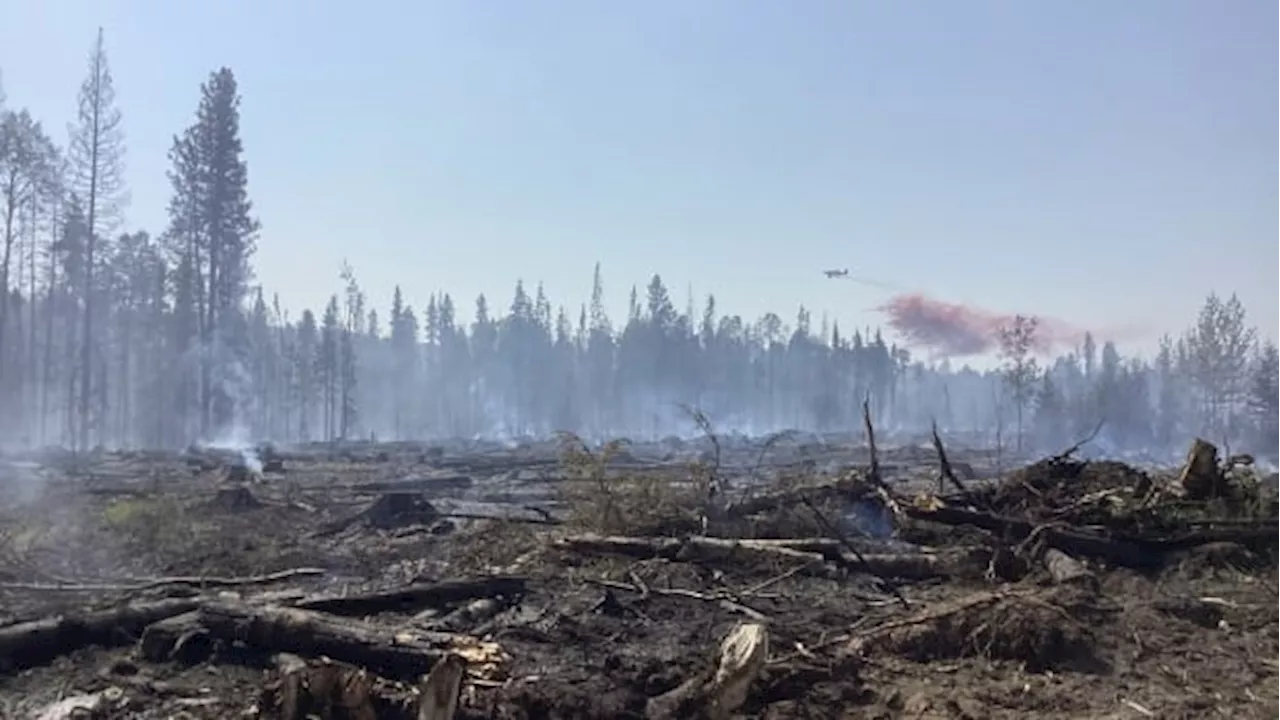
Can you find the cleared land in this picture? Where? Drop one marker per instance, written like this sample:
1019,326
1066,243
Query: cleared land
791,578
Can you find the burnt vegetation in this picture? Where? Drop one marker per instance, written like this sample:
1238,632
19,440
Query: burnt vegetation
209,508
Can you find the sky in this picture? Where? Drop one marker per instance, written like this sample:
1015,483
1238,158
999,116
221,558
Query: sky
1106,163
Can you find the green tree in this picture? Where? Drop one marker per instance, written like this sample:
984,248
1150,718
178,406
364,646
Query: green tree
1218,348
1017,340
1264,398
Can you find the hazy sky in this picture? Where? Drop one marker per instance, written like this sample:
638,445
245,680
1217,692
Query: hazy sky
1105,162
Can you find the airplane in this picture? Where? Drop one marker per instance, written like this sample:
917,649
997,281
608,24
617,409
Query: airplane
836,273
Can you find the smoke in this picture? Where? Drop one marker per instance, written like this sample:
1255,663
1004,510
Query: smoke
236,439
235,386
957,330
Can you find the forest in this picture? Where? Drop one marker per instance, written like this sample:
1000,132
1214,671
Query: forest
124,337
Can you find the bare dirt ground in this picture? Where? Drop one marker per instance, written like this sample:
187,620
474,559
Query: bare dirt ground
582,584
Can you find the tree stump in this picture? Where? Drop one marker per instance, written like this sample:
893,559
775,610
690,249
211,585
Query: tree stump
235,499
397,509
1201,477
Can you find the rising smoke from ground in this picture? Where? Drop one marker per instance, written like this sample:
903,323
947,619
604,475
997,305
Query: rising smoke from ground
958,330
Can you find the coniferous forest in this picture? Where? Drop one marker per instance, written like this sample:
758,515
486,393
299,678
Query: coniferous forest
120,336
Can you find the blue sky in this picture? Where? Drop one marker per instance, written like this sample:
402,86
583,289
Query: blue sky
1104,162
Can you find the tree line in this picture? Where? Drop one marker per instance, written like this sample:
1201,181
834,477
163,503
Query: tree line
124,338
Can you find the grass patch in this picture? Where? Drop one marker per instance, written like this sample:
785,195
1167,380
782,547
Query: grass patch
633,503
146,524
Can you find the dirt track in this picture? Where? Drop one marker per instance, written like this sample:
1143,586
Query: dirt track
590,632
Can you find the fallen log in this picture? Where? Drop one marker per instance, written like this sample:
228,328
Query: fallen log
694,548
414,597
814,553
436,483
180,638
31,643
469,615
401,655
1071,541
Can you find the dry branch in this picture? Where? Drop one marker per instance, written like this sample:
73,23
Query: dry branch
862,560
944,463
724,600
1072,541
155,583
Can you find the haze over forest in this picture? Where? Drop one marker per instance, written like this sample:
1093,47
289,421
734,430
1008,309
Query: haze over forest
157,337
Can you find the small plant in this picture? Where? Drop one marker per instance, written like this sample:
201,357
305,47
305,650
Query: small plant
581,465
148,524
637,503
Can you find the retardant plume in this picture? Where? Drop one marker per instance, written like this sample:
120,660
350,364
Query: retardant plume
954,329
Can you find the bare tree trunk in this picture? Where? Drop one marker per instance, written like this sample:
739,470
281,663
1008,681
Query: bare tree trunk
11,208
86,354
48,375
33,370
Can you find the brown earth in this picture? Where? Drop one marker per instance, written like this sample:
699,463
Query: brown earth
598,635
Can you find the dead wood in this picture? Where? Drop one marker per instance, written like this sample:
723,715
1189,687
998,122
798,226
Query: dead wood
74,707
849,488
1068,540
839,536
235,499
180,638
438,699
670,548
156,583
694,548
275,629
1201,477
337,691
26,644
1039,628
390,510
947,473
873,472
1066,454
436,483
813,554
720,690
1066,570
416,597
724,599
469,615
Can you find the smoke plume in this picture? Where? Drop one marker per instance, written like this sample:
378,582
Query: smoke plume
956,330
